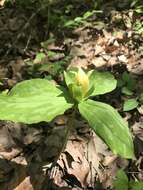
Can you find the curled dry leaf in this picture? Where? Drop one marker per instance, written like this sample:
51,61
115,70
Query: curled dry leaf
74,162
96,151
94,159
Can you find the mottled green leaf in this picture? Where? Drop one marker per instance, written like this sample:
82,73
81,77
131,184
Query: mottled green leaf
33,101
35,87
109,125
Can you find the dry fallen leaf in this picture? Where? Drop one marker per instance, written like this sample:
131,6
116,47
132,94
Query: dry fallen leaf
98,49
98,62
123,58
94,160
78,62
10,155
74,162
25,185
108,175
137,67
112,61
2,3
109,159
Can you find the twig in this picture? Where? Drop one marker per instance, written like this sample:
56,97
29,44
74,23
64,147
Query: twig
27,44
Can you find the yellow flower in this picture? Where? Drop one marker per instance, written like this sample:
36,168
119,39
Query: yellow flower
82,80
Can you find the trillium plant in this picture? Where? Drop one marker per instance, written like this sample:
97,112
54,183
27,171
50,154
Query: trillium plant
36,100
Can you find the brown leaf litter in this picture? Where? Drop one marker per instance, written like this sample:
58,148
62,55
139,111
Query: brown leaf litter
27,152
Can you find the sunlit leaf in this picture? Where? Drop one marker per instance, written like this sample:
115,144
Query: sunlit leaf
130,104
39,57
103,82
34,86
33,101
109,125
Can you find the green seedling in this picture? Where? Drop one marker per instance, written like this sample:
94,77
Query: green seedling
130,104
138,26
137,6
127,84
80,20
37,100
133,103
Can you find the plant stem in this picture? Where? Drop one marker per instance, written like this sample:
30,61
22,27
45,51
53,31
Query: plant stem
70,125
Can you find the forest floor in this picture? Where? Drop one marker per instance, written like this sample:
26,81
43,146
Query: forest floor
40,43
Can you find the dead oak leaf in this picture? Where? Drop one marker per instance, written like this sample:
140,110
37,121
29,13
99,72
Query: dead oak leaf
74,162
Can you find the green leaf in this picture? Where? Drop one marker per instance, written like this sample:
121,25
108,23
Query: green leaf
33,101
125,76
88,14
71,24
78,19
70,76
136,185
39,57
130,104
109,125
127,91
121,182
129,81
76,92
139,9
34,87
103,82
120,83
